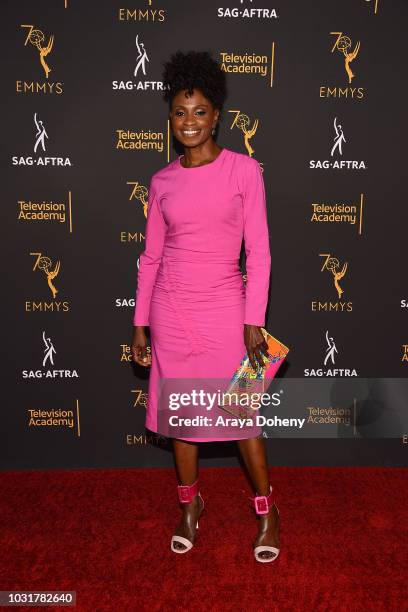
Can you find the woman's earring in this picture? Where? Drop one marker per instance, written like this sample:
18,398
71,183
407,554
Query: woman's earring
213,131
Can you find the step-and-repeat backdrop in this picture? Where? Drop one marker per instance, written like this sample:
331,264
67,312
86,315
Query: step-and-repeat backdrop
317,94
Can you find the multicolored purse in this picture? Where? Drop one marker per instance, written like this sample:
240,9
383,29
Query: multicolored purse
246,381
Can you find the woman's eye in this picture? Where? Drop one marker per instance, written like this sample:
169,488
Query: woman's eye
179,113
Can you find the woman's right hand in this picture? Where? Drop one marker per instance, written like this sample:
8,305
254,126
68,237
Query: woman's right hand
139,345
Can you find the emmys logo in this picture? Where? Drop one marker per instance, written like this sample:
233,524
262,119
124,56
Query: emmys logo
37,39
249,63
140,67
338,140
243,123
347,214
50,273
343,45
246,10
40,138
330,352
142,14
45,264
48,352
142,439
140,398
332,265
55,418
344,48
59,212
140,194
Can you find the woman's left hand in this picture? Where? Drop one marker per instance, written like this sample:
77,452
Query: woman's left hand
256,345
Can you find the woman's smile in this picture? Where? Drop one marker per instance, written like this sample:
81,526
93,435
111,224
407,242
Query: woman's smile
190,133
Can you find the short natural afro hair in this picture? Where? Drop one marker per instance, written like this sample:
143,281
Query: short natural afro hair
195,70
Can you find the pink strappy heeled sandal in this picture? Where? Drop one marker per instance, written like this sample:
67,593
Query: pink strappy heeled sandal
186,494
262,504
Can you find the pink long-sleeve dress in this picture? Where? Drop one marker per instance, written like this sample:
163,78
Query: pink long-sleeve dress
190,289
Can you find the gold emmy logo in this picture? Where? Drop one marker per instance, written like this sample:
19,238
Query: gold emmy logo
37,38
45,264
139,192
332,264
242,122
140,398
343,44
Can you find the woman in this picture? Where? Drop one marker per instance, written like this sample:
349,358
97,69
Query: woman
190,289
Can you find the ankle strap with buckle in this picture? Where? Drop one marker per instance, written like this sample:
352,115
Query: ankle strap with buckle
262,503
186,493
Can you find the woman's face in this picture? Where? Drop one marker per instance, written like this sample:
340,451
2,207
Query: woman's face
192,118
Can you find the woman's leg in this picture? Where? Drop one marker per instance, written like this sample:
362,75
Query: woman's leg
253,452
186,460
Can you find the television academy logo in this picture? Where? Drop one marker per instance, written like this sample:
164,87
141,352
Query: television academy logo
139,70
126,354
337,272
54,418
339,139
145,140
40,142
348,51
50,271
49,352
329,360
249,64
404,357
59,212
341,213
43,46
246,10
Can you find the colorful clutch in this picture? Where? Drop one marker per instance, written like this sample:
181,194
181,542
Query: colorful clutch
246,382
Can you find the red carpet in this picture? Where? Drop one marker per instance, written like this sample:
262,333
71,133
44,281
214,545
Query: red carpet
106,535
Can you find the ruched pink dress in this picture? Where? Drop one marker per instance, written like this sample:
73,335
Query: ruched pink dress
190,289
